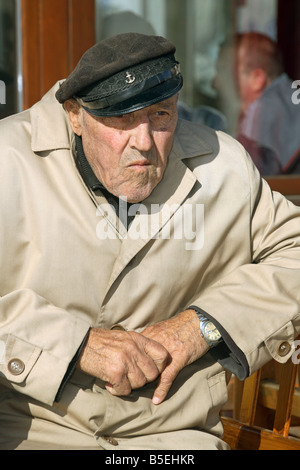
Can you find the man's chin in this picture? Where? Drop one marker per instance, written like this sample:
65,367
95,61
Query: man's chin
137,197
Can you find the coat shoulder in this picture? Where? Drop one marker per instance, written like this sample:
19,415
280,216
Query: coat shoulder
15,130
43,127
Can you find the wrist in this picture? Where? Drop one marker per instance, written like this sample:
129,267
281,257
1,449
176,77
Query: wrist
208,330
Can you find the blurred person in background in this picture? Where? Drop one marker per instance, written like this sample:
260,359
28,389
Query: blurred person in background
269,121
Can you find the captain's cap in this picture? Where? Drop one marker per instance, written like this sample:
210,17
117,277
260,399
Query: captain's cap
122,74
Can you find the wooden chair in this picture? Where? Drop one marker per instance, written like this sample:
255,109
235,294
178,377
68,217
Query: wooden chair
256,399
288,185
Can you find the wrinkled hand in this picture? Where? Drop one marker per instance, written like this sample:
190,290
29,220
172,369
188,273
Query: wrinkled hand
125,360
182,338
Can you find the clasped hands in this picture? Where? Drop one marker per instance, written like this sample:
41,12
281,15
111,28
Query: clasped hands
126,360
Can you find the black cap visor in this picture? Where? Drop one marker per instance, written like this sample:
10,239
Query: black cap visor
137,97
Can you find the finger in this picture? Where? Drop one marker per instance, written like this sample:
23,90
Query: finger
159,355
166,380
148,372
133,379
119,389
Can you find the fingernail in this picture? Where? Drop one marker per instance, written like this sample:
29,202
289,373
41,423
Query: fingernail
156,400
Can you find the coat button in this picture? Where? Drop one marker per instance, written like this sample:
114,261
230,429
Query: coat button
117,326
284,348
16,366
110,440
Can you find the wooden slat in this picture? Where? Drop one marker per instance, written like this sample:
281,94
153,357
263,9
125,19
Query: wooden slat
287,185
285,398
237,391
241,437
81,19
31,52
55,34
249,398
54,42
268,397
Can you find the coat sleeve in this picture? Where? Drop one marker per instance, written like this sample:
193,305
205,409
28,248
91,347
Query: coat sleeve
32,361
257,306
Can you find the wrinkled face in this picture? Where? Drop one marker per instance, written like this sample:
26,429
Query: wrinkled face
128,153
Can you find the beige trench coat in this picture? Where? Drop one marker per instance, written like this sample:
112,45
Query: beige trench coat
211,235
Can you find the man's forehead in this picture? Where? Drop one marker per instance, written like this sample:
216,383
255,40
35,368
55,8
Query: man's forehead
169,101
166,104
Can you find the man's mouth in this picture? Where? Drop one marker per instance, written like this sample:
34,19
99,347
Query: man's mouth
139,164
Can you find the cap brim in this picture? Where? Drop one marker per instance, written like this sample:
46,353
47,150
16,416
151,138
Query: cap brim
144,99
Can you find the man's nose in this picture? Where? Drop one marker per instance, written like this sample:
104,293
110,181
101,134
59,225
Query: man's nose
141,136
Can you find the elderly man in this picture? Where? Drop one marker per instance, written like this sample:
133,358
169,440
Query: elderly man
143,260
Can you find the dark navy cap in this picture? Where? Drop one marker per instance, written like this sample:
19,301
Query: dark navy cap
122,74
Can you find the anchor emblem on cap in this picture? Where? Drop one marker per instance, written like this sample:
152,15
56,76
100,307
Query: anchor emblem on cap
129,78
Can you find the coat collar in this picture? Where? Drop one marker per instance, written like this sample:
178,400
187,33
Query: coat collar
50,125
188,142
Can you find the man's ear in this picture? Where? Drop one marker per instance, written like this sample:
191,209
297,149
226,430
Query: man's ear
259,80
74,113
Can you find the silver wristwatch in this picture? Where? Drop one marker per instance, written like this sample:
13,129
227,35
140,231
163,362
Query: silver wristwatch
209,331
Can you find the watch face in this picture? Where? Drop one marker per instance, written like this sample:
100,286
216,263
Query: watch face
211,332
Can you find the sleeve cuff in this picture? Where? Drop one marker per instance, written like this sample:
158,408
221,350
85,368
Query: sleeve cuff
227,353
70,369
